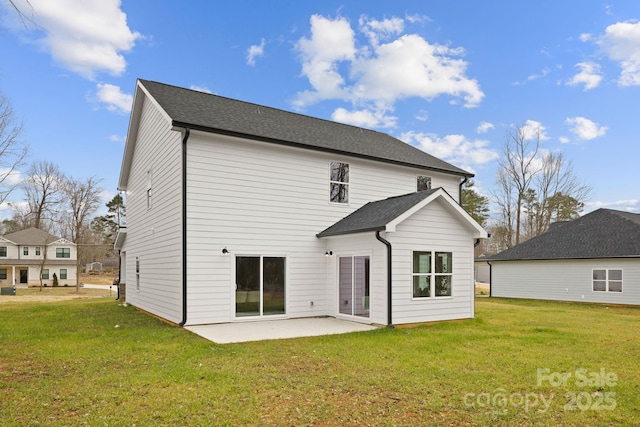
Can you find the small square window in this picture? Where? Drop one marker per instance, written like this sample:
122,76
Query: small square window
423,183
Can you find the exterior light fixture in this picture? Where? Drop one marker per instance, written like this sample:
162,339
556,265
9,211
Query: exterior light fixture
328,253
225,251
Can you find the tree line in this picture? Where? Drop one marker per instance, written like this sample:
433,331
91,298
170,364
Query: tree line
59,204
534,188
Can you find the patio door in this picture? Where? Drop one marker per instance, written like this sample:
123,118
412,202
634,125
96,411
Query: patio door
260,286
24,276
353,286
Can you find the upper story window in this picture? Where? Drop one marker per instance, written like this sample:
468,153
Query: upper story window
339,182
149,187
37,250
63,253
3,251
25,250
423,183
607,280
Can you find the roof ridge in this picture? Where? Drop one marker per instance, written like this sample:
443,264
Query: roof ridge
333,122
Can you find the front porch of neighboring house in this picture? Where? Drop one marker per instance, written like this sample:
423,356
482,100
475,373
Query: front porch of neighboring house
22,275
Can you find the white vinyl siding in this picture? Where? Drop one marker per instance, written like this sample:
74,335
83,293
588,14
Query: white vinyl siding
563,280
432,229
273,202
155,235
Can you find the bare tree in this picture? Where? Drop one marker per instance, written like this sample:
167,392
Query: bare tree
13,150
43,190
518,168
534,188
26,17
83,198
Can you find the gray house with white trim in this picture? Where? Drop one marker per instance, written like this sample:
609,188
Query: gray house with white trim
239,212
595,258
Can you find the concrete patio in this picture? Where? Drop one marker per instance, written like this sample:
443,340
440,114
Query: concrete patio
226,333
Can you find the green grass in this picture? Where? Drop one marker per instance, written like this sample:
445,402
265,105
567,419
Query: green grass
67,364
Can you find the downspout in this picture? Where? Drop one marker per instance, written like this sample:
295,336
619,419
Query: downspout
464,181
490,278
389,275
187,131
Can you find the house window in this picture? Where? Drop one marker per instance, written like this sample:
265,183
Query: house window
432,274
45,274
423,183
37,250
149,186
339,182
3,273
63,253
3,251
607,280
25,250
63,274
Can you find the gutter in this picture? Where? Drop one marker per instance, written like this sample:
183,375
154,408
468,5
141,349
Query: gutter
389,276
187,131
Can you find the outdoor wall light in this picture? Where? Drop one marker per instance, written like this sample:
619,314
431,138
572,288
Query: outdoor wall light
225,251
328,253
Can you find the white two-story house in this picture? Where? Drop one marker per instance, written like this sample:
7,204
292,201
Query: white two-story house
28,254
239,212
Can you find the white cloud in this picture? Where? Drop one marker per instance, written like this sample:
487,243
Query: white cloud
114,99
456,149
380,30
116,138
254,52
200,88
387,67
589,75
621,42
585,128
484,127
85,36
564,140
364,118
533,129
331,42
631,205
545,71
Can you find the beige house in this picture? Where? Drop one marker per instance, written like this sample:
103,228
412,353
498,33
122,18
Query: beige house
27,254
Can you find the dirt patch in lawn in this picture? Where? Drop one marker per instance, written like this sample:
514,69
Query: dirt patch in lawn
54,294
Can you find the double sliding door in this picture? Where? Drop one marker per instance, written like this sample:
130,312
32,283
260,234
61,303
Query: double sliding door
260,286
353,285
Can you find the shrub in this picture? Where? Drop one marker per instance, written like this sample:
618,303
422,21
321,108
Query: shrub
55,280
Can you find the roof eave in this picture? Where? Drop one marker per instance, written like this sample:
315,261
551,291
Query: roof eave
180,124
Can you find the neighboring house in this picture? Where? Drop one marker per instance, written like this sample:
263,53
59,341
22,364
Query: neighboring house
26,254
237,212
595,258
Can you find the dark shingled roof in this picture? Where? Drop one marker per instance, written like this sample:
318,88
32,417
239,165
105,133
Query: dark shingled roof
603,233
374,216
212,113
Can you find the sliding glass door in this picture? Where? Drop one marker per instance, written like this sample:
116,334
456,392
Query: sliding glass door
353,285
260,286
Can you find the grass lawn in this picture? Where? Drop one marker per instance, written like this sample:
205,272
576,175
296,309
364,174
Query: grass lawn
94,362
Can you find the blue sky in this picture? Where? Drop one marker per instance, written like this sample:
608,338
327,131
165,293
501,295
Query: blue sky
451,77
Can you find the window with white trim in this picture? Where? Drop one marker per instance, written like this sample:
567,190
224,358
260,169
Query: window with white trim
432,274
63,274
423,183
339,182
3,251
607,280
